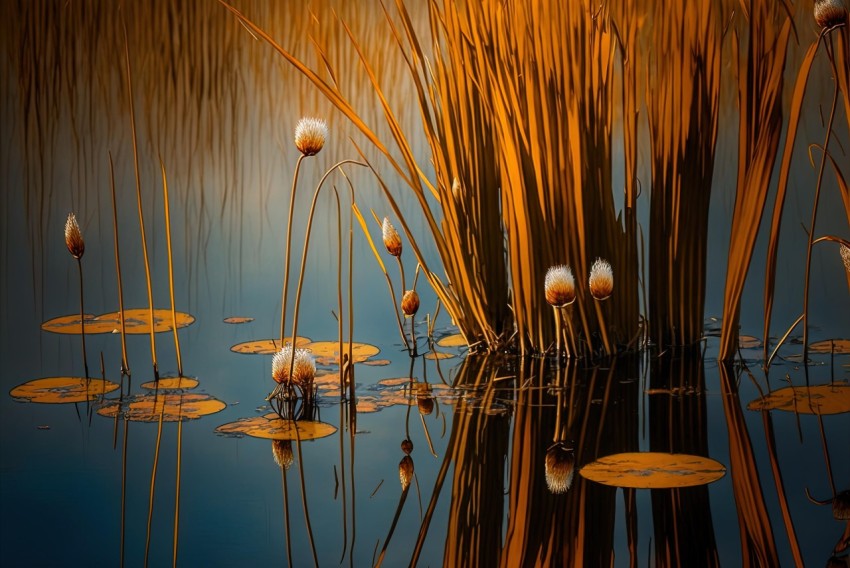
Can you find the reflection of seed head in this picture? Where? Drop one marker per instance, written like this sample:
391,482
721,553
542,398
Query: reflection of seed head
74,237
410,303
601,279
560,286
845,256
560,467
392,240
425,404
406,446
310,135
841,506
829,13
405,471
282,452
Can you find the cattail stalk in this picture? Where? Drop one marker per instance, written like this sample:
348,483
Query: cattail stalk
125,366
170,268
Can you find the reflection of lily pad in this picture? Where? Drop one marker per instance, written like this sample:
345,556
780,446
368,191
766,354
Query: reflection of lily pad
171,383
58,390
820,399
455,340
238,319
266,346
830,346
172,407
749,342
327,352
271,426
653,470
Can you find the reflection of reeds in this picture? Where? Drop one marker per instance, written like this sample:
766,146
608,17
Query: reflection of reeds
760,82
757,542
684,532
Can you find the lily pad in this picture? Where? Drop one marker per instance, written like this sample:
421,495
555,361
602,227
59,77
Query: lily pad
70,324
377,362
171,383
653,470
273,427
172,407
136,321
327,352
749,342
438,355
455,340
60,390
238,320
266,346
830,346
819,399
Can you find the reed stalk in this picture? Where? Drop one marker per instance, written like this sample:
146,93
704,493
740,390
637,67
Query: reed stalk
125,365
287,254
760,85
170,269
132,109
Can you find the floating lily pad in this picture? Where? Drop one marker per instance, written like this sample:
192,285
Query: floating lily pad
273,427
439,355
238,320
830,346
70,324
394,382
377,362
327,352
819,399
173,407
455,340
653,470
749,342
171,383
266,346
367,405
59,390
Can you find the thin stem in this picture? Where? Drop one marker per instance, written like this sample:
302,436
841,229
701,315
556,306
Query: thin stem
828,46
82,317
125,366
304,494
306,250
177,490
287,255
170,269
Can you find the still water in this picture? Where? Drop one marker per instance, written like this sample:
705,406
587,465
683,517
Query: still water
218,109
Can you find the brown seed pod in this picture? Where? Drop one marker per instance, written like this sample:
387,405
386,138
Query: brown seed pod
74,237
410,303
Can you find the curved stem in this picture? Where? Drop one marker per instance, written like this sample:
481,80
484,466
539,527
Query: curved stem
306,250
287,255
828,46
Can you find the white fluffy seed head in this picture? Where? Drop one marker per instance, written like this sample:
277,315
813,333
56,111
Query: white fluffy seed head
601,279
560,286
310,135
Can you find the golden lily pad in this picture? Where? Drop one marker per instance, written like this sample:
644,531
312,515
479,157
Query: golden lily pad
266,346
749,342
273,427
377,362
327,352
172,407
830,346
455,340
394,382
59,390
171,383
70,324
438,355
367,405
819,399
653,470
238,320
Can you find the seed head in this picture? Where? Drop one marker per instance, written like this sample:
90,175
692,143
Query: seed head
829,13
310,135
560,286
406,446
282,452
304,370
74,237
410,303
560,467
601,279
405,471
392,240
425,405
281,363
